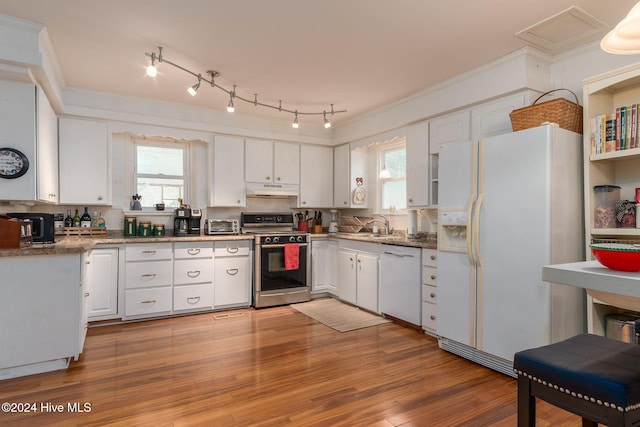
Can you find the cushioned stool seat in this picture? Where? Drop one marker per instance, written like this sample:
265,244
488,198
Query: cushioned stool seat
592,376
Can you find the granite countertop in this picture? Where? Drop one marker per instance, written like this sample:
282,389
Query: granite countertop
425,241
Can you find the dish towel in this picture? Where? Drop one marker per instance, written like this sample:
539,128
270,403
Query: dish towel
291,256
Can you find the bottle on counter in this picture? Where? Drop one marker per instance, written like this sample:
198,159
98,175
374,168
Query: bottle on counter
68,221
76,220
101,223
85,220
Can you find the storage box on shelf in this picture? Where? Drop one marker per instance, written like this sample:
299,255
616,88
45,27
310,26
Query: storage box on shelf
605,95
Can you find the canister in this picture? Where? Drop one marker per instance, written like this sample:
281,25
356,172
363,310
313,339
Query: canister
621,327
144,229
604,212
158,229
130,227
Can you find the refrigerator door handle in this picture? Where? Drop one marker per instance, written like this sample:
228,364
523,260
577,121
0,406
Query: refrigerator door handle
476,230
470,204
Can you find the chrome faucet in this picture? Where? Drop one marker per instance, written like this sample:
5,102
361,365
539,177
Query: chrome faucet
381,219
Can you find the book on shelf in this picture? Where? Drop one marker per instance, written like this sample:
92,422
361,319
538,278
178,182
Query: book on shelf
616,131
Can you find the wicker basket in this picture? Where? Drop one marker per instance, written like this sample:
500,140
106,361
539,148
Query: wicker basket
565,113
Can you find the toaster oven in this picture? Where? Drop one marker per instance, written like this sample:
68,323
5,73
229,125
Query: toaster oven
221,226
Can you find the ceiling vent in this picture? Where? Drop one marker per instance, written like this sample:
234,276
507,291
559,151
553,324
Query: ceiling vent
568,29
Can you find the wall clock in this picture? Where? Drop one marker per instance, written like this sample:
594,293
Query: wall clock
13,163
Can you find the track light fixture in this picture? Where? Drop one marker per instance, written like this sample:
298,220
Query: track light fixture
194,89
152,72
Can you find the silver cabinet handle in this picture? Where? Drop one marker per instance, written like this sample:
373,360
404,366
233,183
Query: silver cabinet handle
268,178
152,301
193,300
399,255
194,251
149,276
86,294
232,271
193,273
278,179
233,250
410,200
149,252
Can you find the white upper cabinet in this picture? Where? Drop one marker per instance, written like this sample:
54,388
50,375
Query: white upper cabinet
85,173
418,165
226,185
492,118
341,192
29,125
47,141
272,162
316,176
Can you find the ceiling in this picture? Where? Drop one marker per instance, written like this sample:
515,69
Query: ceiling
358,55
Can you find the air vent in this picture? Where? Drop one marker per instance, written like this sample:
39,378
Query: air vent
568,29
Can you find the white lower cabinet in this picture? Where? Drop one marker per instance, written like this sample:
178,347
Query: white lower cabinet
148,280
192,276
358,265
232,278
429,290
101,284
324,273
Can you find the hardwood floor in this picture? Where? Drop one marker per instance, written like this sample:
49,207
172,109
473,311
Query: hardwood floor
268,367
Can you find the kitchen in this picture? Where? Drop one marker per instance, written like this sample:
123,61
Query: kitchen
442,112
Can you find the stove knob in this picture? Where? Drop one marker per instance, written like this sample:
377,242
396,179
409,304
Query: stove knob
276,239
292,238
267,240
300,238
278,219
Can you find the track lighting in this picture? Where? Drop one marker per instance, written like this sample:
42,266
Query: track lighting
327,123
152,72
230,107
194,89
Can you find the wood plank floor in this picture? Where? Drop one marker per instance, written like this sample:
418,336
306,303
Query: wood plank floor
268,367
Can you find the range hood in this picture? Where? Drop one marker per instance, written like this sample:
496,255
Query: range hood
257,189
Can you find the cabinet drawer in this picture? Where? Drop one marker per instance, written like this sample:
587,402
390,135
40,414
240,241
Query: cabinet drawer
189,250
429,320
232,248
148,252
147,301
199,270
193,297
148,274
430,257
429,294
232,282
430,276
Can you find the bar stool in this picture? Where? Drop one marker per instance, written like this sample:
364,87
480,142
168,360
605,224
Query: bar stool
589,375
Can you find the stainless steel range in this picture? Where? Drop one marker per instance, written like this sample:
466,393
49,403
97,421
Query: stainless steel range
282,273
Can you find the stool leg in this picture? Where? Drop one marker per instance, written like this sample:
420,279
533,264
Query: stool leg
526,403
588,423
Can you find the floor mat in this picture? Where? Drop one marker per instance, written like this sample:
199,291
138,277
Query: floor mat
339,316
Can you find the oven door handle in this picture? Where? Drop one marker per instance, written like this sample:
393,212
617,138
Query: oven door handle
281,245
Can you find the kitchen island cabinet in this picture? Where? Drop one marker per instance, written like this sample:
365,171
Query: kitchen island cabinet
102,283
41,313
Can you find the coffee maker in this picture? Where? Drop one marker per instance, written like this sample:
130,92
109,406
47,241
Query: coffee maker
182,222
194,221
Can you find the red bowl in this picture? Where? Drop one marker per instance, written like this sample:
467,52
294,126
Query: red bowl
617,256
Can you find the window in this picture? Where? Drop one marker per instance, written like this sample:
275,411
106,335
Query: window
160,173
393,185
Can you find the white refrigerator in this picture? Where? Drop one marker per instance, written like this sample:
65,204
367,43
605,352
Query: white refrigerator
508,205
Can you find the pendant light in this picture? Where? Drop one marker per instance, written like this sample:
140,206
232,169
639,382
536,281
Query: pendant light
624,39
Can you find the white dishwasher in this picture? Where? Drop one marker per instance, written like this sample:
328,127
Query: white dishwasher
400,283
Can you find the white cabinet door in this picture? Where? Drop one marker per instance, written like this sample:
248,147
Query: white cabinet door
232,281
341,189
102,284
286,163
227,175
332,267
47,164
316,176
347,276
85,176
418,165
17,121
493,118
367,281
451,128
258,164
319,267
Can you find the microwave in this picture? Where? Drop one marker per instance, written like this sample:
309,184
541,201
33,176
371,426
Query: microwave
42,227
221,226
